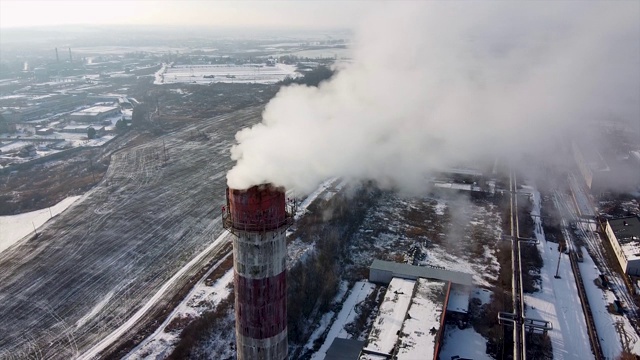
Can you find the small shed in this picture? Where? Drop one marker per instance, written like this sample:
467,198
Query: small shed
344,349
382,272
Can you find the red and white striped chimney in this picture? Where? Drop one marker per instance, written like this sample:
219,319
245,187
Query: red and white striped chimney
258,218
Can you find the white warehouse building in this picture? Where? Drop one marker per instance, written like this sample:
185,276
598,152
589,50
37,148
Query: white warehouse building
94,114
624,236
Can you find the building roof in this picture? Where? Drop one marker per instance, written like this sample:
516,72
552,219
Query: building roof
420,328
627,232
76,127
459,300
426,272
94,110
391,315
626,228
344,349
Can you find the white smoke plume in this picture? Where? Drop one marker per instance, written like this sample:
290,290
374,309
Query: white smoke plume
435,84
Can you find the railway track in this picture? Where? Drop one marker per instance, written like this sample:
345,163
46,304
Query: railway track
594,244
519,332
560,203
594,340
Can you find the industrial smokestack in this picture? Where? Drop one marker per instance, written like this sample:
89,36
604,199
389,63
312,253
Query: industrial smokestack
70,55
57,57
258,218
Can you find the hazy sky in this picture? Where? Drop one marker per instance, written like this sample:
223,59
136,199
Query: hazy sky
290,14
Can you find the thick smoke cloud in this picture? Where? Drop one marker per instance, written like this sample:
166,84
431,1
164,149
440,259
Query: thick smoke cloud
433,85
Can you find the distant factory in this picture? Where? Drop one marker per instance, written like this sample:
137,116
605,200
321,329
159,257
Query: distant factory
94,114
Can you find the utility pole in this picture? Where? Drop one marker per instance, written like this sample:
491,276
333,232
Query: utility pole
164,151
93,176
557,276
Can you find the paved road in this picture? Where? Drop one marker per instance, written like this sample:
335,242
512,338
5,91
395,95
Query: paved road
105,257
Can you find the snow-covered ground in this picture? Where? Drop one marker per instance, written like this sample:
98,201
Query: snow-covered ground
159,344
557,300
465,343
608,325
117,333
347,314
328,317
613,330
15,227
228,73
445,229
202,297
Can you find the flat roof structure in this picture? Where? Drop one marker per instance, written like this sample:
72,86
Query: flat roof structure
382,271
424,319
627,232
459,299
393,310
95,110
344,349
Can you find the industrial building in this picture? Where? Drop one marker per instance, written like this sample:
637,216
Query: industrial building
411,318
382,272
258,217
94,114
16,109
83,129
624,236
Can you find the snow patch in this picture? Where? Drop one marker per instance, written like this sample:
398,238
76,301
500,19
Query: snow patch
16,227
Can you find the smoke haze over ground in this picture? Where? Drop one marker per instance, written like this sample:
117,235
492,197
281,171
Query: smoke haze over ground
433,85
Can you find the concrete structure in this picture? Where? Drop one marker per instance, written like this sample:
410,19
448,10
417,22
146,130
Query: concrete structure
344,349
624,236
44,131
94,114
410,321
82,129
28,151
258,218
382,272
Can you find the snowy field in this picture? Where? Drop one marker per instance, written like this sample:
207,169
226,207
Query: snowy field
159,344
229,73
110,254
15,227
465,343
557,300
